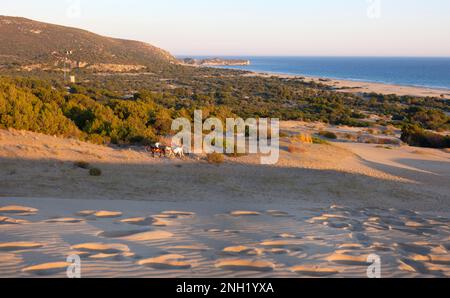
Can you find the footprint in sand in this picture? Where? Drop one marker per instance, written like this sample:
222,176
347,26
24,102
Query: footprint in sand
245,265
361,237
215,231
121,234
371,226
277,213
47,268
314,271
18,210
242,250
381,247
11,221
166,262
276,251
419,248
100,214
287,236
64,220
17,246
245,213
337,225
145,221
177,214
139,221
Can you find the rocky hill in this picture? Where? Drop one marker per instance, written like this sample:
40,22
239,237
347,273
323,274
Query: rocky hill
30,44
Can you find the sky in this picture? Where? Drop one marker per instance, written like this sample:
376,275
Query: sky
258,27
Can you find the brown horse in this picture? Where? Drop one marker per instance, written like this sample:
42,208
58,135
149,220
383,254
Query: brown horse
155,150
161,150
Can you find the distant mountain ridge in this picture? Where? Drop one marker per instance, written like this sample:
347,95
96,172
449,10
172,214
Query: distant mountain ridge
38,45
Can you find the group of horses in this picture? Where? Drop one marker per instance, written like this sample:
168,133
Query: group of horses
166,151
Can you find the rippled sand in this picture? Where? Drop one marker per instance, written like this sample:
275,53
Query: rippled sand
126,239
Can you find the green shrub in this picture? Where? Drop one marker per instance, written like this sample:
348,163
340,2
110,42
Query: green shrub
319,141
95,172
328,135
416,136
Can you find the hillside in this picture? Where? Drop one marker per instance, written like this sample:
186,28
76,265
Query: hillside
34,44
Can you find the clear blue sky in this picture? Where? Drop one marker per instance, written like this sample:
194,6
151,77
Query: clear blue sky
259,27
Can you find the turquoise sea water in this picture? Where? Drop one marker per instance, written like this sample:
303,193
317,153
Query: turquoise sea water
424,72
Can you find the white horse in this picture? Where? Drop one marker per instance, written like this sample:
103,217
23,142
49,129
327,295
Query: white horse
179,151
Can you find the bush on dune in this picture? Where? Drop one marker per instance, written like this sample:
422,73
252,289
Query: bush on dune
414,135
96,172
328,135
215,158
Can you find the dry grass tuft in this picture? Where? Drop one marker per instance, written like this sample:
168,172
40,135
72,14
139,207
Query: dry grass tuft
215,158
302,138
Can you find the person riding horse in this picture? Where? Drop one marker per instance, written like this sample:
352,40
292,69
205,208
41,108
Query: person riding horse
159,149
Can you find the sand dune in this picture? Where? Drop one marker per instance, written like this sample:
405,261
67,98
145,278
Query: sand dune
35,165
318,213
215,243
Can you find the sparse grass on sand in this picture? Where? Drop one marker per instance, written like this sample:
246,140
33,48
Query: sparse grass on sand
320,141
215,158
302,138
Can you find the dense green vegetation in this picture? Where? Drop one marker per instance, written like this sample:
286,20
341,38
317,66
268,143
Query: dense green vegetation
137,108
88,114
416,136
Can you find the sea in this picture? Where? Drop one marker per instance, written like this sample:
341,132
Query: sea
407,71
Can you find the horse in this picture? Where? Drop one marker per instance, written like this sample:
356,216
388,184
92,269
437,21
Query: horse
154,150
179,151
167,151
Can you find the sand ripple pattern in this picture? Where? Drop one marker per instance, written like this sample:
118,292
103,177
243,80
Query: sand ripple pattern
202,242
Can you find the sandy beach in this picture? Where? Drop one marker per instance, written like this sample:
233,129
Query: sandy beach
319,212
358,87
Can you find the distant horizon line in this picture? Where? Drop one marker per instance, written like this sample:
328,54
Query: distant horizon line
305,56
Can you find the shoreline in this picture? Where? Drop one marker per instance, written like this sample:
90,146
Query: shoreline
357,86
